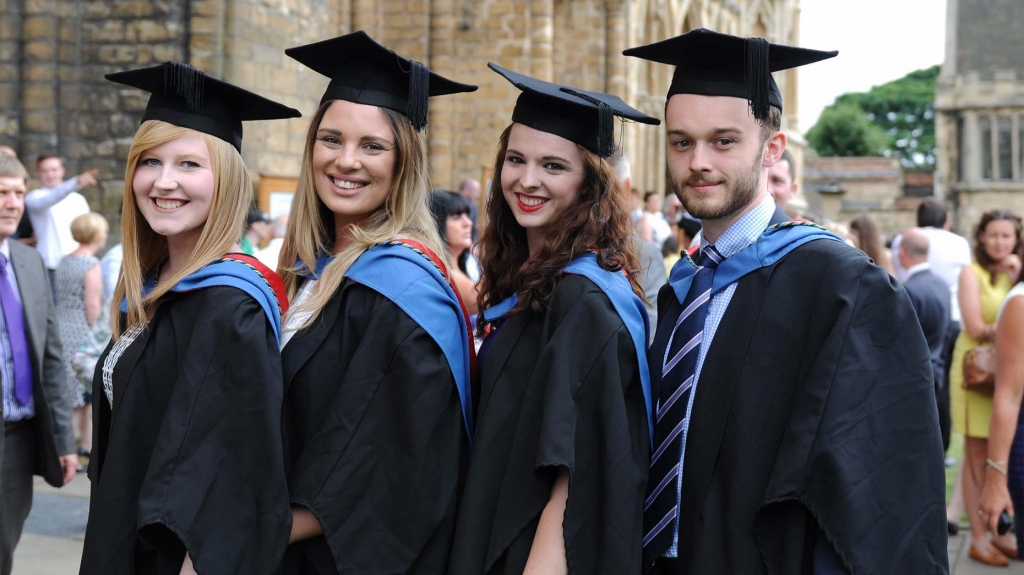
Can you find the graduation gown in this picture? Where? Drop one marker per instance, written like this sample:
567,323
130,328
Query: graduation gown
190,454
374,439
559,389
815,418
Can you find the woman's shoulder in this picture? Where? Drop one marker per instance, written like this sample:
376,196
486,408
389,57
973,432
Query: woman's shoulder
1015,291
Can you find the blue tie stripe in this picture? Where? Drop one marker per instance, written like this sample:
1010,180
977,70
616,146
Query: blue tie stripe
679,365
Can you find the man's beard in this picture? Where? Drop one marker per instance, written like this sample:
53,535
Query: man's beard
737,196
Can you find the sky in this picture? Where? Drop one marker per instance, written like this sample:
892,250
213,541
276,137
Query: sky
878,41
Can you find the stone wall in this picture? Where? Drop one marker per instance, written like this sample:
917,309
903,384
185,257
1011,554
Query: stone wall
53,97
53,54
842,189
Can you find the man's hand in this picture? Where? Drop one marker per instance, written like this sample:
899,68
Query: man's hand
88,178
70,464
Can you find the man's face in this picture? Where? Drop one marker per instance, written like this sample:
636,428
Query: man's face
715,154
12,205
51,172
780,183
261,229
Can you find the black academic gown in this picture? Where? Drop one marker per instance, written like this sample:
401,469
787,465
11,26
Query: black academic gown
374,439
559,389
814,417
190,455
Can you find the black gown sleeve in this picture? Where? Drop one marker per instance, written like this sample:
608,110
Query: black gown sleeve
862,451
593,423
215,485
381,468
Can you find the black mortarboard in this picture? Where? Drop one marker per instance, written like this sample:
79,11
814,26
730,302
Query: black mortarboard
710,63
586,118
186,97
363,71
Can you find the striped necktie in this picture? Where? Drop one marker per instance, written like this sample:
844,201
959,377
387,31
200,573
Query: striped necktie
677,374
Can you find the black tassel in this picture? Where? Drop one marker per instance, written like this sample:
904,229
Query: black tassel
605,123
756,74
419,94
186,82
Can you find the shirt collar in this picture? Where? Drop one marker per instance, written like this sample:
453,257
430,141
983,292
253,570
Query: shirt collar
5,249
917,269
745,230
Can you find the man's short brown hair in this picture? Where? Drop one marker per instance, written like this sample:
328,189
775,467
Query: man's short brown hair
771,124
10,167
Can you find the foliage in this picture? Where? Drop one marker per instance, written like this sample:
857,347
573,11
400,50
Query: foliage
903,110
846,131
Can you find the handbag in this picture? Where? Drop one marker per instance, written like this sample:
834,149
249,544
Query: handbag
980,368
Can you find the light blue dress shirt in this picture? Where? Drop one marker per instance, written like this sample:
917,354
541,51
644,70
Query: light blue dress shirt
741,234
12,409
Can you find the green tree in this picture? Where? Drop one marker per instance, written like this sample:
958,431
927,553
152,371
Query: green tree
845,130
904,110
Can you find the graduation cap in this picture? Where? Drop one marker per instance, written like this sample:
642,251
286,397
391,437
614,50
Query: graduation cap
186,97
586,118
363,71
710,63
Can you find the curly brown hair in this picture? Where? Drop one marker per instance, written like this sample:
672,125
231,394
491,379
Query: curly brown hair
980,255
599,218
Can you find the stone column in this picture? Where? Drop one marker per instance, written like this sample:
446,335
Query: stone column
541,34
39,121
10,72
969,144
442,133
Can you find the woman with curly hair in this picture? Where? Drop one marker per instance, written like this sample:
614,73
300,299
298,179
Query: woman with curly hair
560,455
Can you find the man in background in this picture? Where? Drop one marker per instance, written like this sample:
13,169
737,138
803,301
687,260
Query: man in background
782,180
8,151
470,189
270,254
652,266
34,403
257,231
930,296
52,207
948,253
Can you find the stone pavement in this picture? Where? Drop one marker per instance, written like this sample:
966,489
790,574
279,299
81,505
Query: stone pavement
52,543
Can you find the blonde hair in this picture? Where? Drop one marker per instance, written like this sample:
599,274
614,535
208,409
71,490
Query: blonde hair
311,230
87,227
145,250
11,167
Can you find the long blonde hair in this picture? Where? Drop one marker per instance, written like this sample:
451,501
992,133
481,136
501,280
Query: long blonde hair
145,250
311,229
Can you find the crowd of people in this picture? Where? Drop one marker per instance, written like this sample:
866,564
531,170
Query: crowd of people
564,375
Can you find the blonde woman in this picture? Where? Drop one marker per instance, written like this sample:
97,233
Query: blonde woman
78,285
376,356
187,469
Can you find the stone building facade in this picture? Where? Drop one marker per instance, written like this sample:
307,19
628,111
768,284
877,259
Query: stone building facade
840,189
979,100
53,54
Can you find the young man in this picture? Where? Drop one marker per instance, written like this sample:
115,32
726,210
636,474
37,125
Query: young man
786,367
34,403
52,207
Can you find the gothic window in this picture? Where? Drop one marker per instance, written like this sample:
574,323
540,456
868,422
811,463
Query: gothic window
985,136
962,151
1005,141
1020,147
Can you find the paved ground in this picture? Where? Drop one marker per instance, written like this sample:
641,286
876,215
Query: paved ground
52,544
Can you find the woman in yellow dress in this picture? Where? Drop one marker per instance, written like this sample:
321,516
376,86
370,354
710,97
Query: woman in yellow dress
983,285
